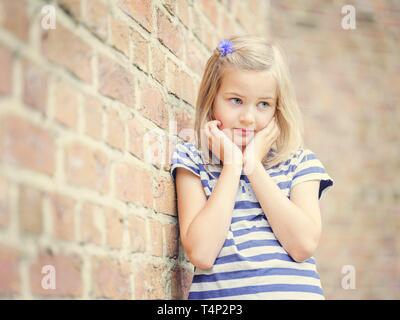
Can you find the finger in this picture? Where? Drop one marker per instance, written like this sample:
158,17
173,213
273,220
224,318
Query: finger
214,129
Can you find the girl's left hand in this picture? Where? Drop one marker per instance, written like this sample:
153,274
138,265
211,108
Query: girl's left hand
260,145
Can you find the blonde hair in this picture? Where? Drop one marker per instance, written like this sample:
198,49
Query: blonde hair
254,53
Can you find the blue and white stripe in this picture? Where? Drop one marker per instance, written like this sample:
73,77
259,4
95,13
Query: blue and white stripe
252,263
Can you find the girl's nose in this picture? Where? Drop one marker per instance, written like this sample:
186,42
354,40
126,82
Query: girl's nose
247,117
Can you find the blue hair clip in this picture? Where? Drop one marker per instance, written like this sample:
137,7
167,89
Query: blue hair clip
225,47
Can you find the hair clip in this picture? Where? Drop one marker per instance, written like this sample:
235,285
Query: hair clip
225,47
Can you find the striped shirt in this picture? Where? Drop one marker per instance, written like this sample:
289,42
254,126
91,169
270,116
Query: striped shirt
252,263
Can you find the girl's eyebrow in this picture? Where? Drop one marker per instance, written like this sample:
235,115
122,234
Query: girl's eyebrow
244,97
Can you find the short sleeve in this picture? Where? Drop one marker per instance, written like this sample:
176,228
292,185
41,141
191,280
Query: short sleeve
184,157
310,168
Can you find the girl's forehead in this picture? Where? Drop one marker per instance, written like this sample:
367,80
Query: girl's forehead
248,81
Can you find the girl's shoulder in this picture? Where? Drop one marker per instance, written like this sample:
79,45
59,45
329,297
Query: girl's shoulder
293,158
186,148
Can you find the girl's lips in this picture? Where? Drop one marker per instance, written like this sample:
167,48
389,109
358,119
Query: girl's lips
243,132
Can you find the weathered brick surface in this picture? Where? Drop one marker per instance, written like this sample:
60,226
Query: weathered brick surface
87,167
27,145
35,87
30,208
9,276
115,81
6,72
137,233
63,47
67,273
110,278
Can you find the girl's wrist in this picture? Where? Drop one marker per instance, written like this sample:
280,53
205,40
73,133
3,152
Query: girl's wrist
235,167
250,166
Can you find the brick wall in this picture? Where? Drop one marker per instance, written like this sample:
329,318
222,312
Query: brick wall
347,82
79,194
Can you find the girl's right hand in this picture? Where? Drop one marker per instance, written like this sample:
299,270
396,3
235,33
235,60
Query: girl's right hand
220,144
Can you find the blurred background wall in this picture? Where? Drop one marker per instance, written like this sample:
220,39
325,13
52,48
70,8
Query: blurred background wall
81,194
348,86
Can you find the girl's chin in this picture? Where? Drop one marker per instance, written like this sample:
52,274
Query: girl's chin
243,140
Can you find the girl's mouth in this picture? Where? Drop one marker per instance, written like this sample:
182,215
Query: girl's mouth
243,132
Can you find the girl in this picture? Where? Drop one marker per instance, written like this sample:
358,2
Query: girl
249,219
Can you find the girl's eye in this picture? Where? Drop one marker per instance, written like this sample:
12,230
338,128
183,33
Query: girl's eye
266,105
235,99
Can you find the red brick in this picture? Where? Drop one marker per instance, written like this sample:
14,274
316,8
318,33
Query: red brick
68,275
197,24
155,148
150,281
186,88
114,228
5,202
115,136
172,82
35,86
87,167
227,25
27,145
158,65
170,35
63,47
116,81
136,131
171,236
170,5
73,7
92,224
210,8
96,17
110,278
6,72
164,196
210,38
66,104
137,234
183,12
170,148
133,184
156,238
30,209
194,58
63,216
140,51
120,34
181,280
152,105
14,18
245,17
185,125
9,275
93,111
141,11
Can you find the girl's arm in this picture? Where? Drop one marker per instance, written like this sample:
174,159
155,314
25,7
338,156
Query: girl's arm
204,224
297,222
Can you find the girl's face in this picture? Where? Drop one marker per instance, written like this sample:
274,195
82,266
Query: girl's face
245,100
